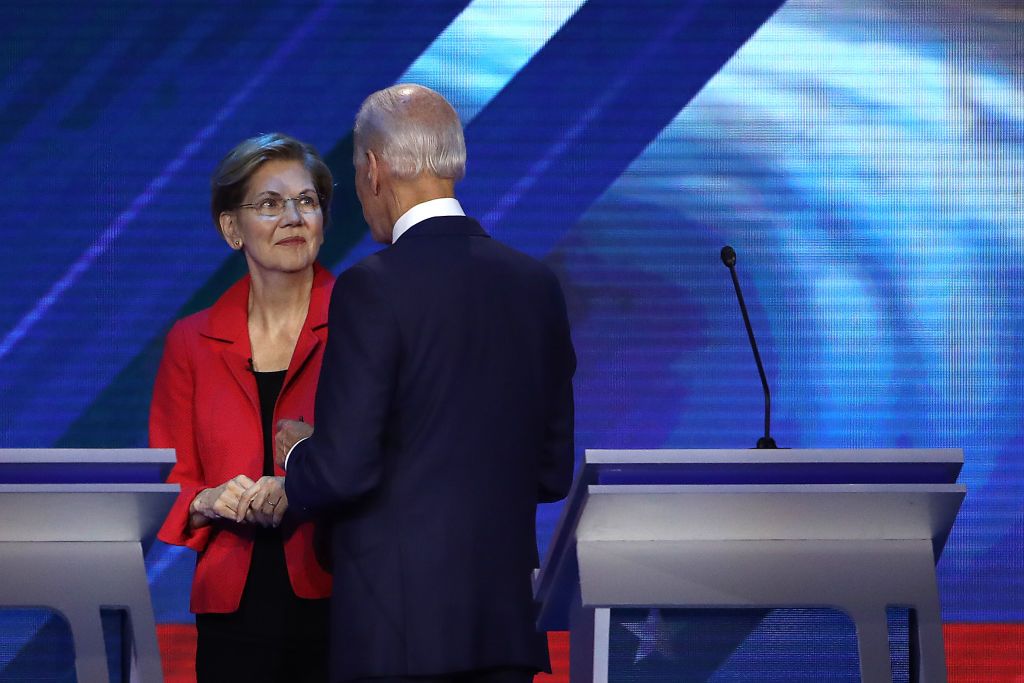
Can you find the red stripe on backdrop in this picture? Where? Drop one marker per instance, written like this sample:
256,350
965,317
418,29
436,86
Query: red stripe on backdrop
178,652
985,653
975,653
558,645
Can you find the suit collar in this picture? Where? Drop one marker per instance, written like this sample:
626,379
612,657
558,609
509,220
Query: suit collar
228,321
228,318
445,225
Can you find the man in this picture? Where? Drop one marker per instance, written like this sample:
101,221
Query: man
444,413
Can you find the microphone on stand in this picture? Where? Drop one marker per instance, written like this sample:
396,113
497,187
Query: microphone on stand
729,259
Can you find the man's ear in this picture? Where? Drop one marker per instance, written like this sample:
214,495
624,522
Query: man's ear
229,230
373,172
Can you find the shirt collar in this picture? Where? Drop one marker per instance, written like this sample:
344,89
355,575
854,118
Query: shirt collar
446,206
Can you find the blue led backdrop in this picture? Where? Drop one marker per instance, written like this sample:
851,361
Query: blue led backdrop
865,159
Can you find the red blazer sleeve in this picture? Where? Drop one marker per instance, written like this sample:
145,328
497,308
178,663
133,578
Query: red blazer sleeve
171,425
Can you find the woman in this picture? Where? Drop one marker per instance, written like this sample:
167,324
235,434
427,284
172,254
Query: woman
228,374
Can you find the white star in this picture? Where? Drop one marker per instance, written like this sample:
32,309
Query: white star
652,636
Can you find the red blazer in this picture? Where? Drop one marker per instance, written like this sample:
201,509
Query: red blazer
206,407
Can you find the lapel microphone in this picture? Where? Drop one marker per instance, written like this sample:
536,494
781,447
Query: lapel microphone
729,259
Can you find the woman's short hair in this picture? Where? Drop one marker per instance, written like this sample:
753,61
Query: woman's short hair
230,181
413,129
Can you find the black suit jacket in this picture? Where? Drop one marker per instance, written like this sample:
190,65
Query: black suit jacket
444,413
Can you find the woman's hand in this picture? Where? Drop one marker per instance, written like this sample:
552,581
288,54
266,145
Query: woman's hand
220,502
265,502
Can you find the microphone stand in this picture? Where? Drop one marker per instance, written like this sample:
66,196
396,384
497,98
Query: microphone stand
729,259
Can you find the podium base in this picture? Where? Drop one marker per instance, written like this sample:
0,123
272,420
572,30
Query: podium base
77,579
860,578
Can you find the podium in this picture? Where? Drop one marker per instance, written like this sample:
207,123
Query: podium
854,530
74,524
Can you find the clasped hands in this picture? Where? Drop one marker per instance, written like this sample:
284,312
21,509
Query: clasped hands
240,500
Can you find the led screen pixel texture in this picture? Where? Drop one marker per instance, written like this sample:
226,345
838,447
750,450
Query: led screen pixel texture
864,158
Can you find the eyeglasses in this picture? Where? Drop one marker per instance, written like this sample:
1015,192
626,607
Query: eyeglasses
272,207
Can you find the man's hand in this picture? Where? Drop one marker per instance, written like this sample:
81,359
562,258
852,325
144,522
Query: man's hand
289,433
220,502
265,502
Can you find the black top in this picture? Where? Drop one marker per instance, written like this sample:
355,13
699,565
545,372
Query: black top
268,384
269,609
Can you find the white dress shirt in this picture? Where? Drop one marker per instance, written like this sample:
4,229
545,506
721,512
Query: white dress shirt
446,206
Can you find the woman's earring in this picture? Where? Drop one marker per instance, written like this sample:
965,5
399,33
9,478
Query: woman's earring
238,243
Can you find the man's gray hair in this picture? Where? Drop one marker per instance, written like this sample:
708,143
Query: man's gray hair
413,129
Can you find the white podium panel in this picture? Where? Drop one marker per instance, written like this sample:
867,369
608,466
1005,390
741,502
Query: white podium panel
77,547
754,529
